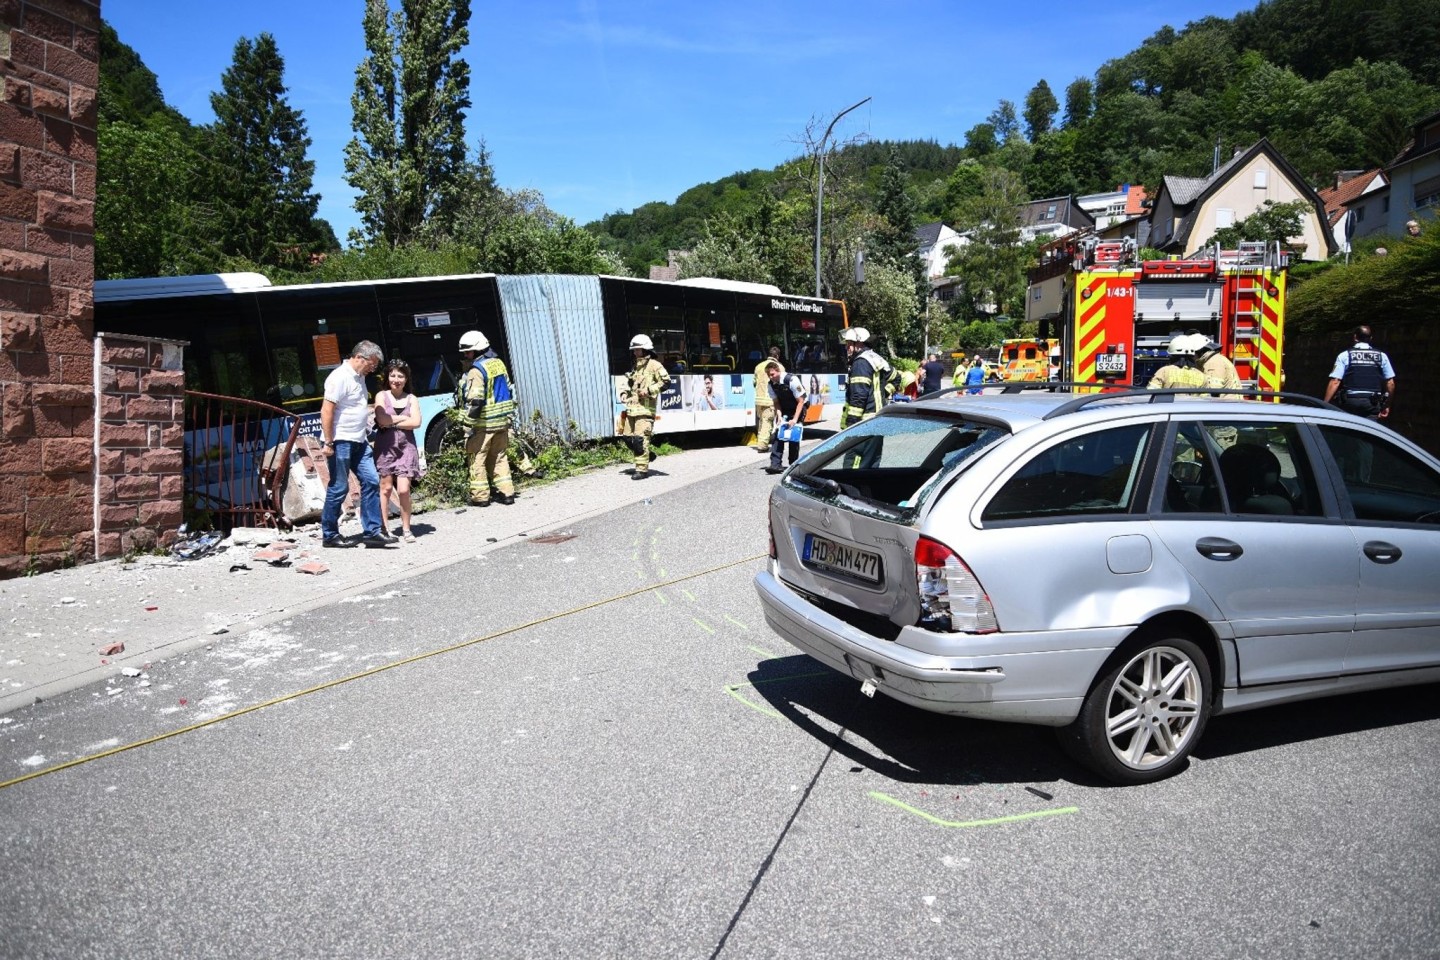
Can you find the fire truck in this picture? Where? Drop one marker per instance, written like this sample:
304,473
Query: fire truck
1115,315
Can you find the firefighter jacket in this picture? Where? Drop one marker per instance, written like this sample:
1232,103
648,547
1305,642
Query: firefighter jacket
643,386
486,393
762,384
1174,377
870,385
1221,374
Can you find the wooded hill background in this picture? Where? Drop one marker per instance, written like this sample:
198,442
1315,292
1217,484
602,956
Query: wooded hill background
1334,85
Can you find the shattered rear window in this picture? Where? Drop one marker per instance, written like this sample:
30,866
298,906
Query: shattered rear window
894,461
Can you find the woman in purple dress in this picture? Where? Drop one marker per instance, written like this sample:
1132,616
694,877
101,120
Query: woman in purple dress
397,458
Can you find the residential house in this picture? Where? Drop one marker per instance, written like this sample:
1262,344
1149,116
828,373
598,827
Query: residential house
1361,193
1052,218
932,244
1188,210
1415,177
1124,203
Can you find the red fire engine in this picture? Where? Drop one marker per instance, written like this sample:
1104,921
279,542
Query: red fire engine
1115,316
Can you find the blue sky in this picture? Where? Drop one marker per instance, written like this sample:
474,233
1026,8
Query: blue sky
606,106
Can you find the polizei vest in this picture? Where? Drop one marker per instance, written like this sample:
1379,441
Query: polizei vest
1363,389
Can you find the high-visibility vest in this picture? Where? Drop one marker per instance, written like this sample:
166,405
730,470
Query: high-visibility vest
498,401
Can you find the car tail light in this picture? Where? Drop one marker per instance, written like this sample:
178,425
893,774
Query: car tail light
951,598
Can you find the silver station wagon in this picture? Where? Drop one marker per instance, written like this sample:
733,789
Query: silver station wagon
1118,566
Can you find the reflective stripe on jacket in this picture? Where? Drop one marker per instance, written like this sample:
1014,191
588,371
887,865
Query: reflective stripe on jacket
489,401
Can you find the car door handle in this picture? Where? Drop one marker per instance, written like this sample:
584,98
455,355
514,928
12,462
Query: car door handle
1218,548
1381,552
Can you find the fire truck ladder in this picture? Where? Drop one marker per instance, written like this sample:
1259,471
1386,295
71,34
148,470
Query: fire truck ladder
1245,310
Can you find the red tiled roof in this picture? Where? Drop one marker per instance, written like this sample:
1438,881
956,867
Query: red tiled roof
1335,198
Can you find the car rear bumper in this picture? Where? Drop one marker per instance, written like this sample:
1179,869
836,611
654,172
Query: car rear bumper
1017,677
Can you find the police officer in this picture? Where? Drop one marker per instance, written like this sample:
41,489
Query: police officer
791,400
1181,373
1363,378
489,403
871,381
641,397
1219,372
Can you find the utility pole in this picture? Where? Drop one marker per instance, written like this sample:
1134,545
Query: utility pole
820,185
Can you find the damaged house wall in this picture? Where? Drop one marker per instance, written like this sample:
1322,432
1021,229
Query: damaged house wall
58,427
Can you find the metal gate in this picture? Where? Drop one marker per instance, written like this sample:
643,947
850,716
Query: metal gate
237,457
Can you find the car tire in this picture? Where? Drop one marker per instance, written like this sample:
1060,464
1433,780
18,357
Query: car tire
1144,713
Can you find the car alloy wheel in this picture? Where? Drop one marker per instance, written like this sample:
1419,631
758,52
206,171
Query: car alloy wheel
1143,716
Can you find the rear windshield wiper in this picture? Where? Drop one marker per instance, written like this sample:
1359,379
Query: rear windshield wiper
824,484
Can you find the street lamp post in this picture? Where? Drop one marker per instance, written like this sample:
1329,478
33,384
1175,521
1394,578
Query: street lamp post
820,186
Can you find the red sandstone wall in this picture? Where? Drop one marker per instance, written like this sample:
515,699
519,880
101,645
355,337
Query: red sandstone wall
49,70
140,484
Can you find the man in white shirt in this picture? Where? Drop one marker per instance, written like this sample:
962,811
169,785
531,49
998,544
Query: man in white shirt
344,423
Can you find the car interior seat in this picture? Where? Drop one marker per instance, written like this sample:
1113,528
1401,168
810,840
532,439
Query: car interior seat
1252,481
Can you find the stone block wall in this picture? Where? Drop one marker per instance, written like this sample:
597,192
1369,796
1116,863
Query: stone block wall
139,442
49,72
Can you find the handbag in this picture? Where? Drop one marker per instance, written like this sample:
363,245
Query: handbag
424,463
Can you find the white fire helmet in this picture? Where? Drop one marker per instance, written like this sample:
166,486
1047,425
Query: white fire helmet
474,340
1183,346
855,335
641,342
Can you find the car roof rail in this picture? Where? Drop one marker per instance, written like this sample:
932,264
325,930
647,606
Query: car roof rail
1133,394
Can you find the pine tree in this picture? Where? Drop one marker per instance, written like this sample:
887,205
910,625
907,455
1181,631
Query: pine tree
262,175
1040,107
408,159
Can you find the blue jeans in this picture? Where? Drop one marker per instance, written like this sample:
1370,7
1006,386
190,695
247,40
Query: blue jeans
351,456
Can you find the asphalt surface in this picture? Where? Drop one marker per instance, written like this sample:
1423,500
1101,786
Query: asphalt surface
593,747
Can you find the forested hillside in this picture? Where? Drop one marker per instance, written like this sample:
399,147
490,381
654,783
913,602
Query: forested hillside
1334,84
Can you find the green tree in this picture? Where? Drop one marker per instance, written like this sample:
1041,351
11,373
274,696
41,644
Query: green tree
965,183
262,175
129,91
764,245
1040,107
980,140
1079,101
1003,120
893,239
1272,222
149,221
991,265
885,304
408,159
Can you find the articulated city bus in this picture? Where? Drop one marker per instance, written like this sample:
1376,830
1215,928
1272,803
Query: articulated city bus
564,338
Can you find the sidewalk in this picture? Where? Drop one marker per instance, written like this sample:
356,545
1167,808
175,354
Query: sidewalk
55,628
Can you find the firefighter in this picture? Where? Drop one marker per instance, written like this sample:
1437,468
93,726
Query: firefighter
1366,376
1181,373
1219,372
489,404
871,383
641,397
764,406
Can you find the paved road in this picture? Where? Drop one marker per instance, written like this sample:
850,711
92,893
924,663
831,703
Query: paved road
612,757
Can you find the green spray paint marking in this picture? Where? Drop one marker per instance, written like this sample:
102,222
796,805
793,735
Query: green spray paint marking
996,821
688,595
664,600
735,693
703,625
737,623
764,653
